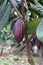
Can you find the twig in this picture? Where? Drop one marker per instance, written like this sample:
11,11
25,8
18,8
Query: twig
16,8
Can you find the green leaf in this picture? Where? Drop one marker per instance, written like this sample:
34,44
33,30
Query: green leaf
39,31
37,6
4,2
3,8
5,17
1,1
32,25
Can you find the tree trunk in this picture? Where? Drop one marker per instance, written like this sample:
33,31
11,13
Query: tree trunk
28,45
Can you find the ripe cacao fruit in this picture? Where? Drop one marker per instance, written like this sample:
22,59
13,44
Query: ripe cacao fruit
19,30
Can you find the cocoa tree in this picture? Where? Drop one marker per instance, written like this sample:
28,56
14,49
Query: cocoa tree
29,14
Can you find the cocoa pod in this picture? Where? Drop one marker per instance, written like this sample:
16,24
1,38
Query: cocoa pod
19,30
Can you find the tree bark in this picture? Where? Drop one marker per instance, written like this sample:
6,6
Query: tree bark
28,45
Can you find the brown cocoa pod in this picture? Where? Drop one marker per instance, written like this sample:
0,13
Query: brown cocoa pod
19,30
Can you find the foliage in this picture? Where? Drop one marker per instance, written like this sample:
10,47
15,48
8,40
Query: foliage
32,25
4,14
9,11
8,17
39,7
39,31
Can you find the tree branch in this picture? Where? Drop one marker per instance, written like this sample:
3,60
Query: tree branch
22,9
16,8
28,44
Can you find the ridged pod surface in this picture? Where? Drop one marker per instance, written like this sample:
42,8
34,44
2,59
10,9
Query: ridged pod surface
19,30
